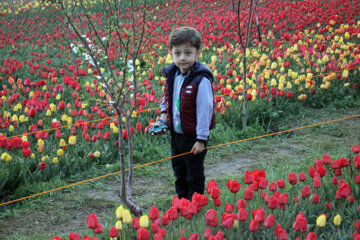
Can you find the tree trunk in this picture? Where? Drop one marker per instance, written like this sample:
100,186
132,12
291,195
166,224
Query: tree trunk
245,110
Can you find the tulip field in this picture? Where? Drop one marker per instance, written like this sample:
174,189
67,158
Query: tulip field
56,119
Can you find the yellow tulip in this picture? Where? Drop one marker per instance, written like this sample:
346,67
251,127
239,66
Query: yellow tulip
144,221
5,157
60,152
62,143
43,159
22,118
119,225
346,84
97,154
55,160
115,129
302,97
40,142
11,128
345,74
24,138
32,156
127,217
337,220
321,220
236,224
347,36
120,212
72,140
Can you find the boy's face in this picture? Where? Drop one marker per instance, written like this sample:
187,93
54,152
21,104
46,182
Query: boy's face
184,56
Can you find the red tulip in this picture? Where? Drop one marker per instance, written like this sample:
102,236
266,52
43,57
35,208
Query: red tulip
92,221
207,233
345,190
217,202
193,236
249,194
242,215
300,224
310,236
315,198
42,165
241,203
259,215
283,200
164,220
154,213
357,179
135,223
292,178
229,208
142,234
273,187
99,229
335,164
302,177
61,105
355,149
344,162
233,186
326,159
253,225
305,192
113,232
248,179
26,152
311,171
74,236
210,185
215,192
263,183
281,183
173,214
210,215
273,202
56,238
269,221
282,235
193,208
316,182
227,220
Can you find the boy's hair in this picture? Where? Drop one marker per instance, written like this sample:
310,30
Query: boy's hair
185,35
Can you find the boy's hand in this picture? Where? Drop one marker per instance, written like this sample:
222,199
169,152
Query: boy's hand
198,147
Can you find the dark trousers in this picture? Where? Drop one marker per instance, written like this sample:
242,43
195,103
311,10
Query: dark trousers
189,168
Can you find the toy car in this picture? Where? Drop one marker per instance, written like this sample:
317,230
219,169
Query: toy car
158,128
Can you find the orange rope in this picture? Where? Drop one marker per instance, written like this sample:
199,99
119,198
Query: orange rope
161,160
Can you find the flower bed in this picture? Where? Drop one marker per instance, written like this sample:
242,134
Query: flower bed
323,203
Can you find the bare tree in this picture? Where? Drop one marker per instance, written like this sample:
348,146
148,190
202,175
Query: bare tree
126,30
244,40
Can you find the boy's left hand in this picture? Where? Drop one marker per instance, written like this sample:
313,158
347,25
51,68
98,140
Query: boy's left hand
198,148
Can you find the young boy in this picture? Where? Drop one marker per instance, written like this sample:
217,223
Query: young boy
188,110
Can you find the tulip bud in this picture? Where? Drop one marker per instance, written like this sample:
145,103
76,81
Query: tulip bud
144,221
337,220
321,220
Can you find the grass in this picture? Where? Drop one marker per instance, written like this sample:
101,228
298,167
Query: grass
66,210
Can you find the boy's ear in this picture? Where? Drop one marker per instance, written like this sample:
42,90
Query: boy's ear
198,52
